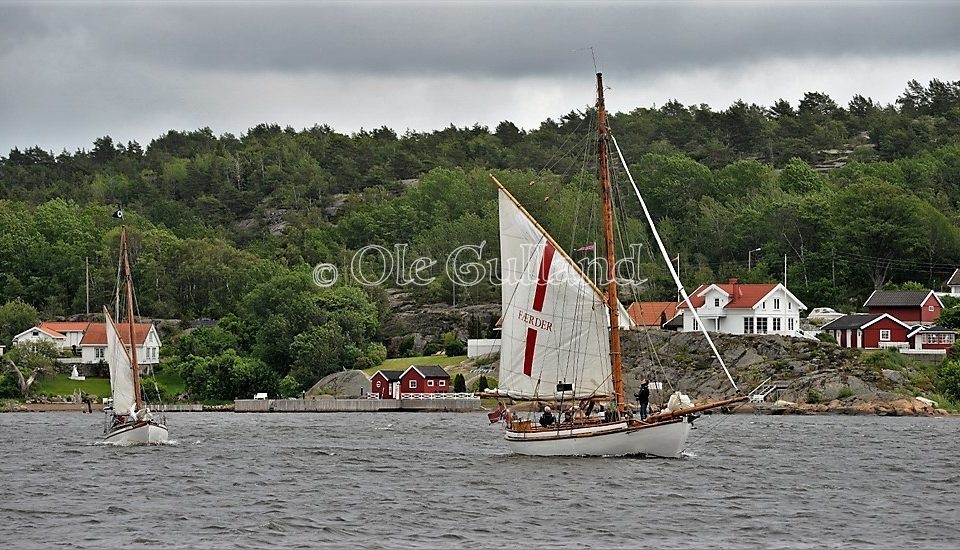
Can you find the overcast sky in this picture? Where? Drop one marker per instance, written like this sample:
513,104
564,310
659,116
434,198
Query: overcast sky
70,73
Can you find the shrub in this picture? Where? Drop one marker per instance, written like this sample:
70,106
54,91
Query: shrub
289,387
814,395
826,337
845,392
459,383
949,379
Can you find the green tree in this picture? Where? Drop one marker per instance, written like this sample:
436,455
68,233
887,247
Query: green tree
459,383
15,317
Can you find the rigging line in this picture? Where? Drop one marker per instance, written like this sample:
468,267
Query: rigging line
726,417
560,152
651,350
673,272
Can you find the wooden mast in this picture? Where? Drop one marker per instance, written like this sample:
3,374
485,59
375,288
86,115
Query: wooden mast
613,303
124,252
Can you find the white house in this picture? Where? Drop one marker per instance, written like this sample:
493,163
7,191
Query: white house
736,308
478,347
39,334
954,283
93,346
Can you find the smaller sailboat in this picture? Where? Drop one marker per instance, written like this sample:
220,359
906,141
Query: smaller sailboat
129,421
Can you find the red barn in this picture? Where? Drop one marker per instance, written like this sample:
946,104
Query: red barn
385,384
869,331
910,306
424,379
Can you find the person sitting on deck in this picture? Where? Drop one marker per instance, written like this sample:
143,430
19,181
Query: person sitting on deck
547,419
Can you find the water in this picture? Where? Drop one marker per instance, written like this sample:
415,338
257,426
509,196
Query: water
445,481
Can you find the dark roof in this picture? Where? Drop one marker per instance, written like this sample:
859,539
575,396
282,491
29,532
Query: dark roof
390,375
676,322
431,371
955,278
854,320
897,298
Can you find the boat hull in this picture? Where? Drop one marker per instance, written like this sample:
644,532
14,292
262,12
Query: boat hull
664,439
141,433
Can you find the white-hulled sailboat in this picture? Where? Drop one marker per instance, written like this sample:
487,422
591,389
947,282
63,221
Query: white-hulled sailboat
560,341
129,421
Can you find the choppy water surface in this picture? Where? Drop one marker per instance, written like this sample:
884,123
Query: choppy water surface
445,481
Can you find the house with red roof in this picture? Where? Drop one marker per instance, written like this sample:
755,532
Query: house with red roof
647,315
953,283
737,308
39,334
65,335
910,306
93,346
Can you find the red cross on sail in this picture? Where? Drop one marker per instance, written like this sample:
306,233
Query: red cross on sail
543,277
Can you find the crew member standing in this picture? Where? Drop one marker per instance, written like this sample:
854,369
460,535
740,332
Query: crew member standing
643,398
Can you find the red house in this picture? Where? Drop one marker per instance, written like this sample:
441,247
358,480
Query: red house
652,314
910,306
869,331
385,384
934,338
424,379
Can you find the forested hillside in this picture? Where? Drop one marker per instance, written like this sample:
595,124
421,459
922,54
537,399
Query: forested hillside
226,224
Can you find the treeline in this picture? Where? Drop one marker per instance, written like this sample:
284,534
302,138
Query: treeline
216,221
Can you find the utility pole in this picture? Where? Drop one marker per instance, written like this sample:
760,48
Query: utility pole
750,257
784,270
86,261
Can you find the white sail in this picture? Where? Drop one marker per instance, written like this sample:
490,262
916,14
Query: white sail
121,372
555,324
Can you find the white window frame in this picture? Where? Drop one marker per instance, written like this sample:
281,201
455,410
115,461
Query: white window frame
884,335
99,353
413,384
716,302
790,323
429,383
776,324
776,303
696,326
379,383
930,308
441,382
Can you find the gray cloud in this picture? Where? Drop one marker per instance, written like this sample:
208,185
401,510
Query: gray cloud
90,69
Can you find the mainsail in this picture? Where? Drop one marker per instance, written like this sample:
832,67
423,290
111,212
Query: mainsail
121,371
554,332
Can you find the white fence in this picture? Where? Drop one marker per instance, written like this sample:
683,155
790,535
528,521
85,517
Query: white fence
437,396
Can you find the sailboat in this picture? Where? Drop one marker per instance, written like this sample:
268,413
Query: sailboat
129,421
560,341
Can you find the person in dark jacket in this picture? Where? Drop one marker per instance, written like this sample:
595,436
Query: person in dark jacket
643,398
547,419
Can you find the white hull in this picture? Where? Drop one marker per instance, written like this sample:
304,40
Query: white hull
147,433
666,439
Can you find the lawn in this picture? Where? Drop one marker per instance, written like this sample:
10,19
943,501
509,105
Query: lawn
401,363
60,384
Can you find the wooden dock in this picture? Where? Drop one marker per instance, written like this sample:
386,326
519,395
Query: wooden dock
356,405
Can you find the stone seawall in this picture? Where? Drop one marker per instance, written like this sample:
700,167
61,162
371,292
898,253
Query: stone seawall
355,405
